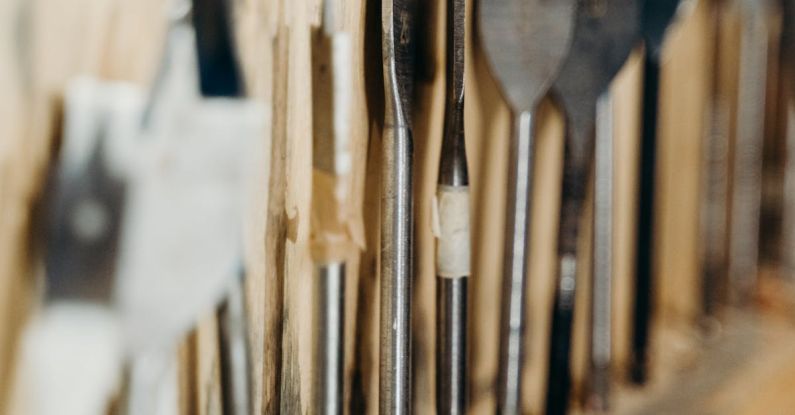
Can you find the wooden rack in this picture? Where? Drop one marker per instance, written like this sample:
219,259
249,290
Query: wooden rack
746,368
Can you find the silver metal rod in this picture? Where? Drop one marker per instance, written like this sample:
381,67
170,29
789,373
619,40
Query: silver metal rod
453,253
747,178
397,216
715,187
516,250
451,345
602,290
396,272
234,352
330,342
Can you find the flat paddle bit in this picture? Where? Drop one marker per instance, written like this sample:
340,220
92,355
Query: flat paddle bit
525,42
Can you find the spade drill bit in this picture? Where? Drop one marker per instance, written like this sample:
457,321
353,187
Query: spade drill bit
604,34
331,55
453,253
525,42
396,207
657,15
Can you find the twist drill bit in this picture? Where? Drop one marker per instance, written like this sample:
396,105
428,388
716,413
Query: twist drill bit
397,217
657,15
605,32
331,55
525,43
453,253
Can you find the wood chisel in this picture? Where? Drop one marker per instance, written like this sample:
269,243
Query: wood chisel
453,245
525,42
397,207
605,32
657,15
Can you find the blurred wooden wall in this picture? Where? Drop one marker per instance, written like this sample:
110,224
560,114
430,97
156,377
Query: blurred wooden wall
44,43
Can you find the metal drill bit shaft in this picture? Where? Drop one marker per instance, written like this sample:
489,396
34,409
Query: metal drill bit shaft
714,208
329,343
331,54
747,168
605,33
397,216
657,15
525,42
602,290
453,253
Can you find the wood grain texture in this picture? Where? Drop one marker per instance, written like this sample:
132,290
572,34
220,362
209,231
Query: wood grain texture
43,43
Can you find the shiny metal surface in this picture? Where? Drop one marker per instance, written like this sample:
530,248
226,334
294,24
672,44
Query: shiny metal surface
452,295
602,286
397,217
329,328
514,276
451,357
605,33
525,42
235,363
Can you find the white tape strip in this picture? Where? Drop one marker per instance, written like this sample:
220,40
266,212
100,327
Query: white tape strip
453,243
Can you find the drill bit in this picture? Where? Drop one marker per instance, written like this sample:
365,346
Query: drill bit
604,34
602,246
331,84
397,216
525,43
657,15
453,253
715,183
747,167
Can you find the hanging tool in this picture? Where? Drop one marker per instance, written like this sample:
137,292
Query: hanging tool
525,42
73,349
605,32
601,328
657,15
220,77
331,102
747,163
714,204
453,246
397,207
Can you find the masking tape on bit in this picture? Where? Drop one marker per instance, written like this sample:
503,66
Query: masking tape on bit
453,237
